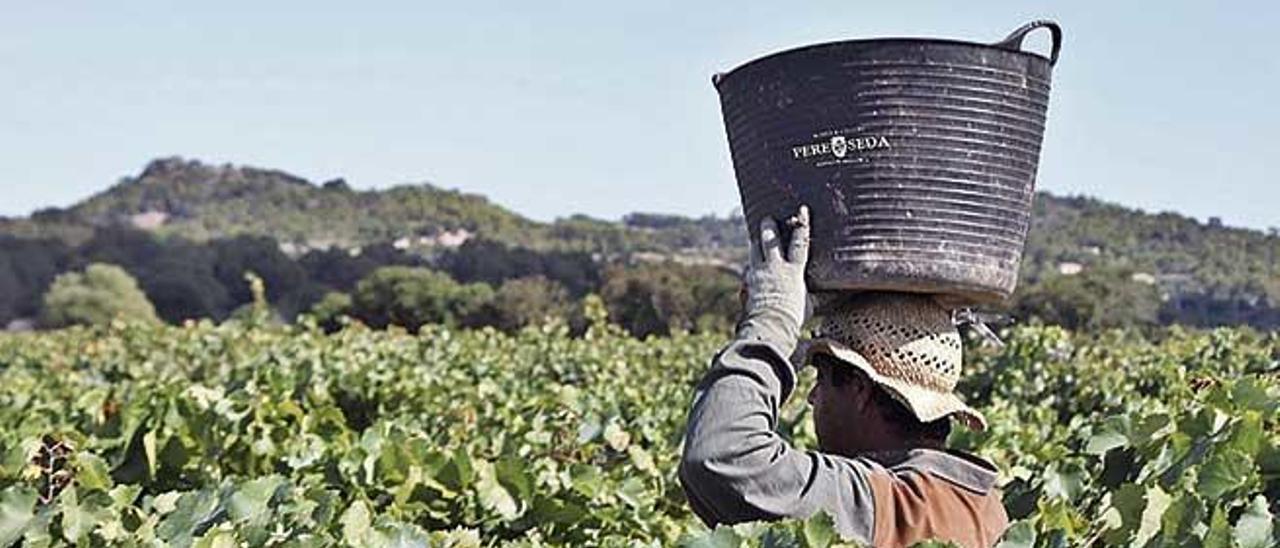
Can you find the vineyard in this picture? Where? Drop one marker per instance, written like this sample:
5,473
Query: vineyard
249,434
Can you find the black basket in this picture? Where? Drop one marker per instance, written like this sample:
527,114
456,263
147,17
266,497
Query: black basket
917,157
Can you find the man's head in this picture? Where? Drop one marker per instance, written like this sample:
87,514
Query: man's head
887,367
852,415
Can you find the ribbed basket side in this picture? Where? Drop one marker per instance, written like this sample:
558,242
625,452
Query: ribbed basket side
944,208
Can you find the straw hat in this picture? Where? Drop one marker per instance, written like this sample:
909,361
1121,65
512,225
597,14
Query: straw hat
906,343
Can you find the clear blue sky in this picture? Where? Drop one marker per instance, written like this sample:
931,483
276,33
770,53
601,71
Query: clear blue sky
604,108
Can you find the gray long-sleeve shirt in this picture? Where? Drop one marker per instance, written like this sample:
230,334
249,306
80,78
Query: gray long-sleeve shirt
737,468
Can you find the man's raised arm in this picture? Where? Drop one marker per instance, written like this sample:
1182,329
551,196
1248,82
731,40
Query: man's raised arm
735,466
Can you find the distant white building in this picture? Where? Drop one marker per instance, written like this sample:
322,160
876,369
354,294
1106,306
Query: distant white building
292,249
148,220
1070,269
1143,278
21,324
687,259
453,238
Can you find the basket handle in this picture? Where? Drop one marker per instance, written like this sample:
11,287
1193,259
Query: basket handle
1013,42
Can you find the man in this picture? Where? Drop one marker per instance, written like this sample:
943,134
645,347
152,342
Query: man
887,364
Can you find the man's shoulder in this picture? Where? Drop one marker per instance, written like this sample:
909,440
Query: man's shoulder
962,469
925,493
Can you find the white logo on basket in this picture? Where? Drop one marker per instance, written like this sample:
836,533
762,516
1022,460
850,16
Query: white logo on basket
839,146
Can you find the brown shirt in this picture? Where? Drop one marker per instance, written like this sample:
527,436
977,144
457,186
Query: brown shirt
736,467
925,494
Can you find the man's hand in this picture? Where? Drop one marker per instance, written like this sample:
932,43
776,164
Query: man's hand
776,293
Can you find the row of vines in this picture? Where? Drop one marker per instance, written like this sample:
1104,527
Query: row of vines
246,434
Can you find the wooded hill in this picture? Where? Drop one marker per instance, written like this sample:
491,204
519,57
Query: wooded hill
1085,255
199,202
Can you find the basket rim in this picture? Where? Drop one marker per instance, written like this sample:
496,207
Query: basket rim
719,78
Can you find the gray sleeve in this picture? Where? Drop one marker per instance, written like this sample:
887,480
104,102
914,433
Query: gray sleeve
736,467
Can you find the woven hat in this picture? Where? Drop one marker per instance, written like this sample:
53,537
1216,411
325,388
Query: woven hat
907,344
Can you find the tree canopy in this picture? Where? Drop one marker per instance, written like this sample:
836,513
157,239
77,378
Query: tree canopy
100,294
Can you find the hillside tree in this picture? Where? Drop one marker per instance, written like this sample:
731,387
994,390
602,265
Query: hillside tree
412,297
98,295
524,301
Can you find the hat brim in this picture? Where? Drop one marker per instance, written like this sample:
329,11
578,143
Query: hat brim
927,404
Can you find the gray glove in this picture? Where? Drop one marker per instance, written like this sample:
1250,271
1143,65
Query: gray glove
776,295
